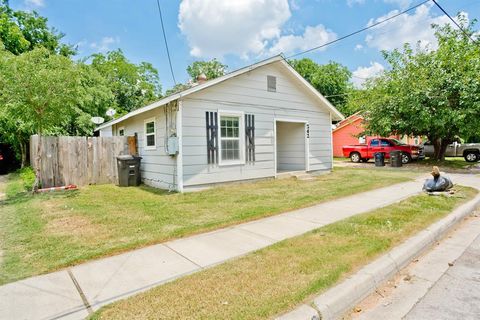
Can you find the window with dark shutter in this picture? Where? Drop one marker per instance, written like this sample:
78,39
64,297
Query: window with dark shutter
212,137
272,83
250,137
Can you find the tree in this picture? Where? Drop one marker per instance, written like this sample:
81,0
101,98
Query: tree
133,86
177,88
39,92
331,80
431,93
212,69
22,31
93,98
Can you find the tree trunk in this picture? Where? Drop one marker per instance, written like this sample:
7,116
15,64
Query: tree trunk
437,142
440,147
23,152
36,183
443,148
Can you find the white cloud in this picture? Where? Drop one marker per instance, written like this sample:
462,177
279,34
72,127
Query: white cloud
35,3
215,28
294,5
361,74
312,37
405,28
358,47
104,45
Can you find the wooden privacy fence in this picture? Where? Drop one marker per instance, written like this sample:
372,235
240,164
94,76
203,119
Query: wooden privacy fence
79,160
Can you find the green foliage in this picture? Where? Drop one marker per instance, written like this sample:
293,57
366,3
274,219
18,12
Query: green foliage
94,97
46,93
332,80
43,91
27,175
133,86
212,69
429,93
22,31
177,88
40,89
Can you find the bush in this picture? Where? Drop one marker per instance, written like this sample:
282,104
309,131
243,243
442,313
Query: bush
27,175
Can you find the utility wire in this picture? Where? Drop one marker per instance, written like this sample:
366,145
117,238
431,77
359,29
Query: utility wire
359,31
455,22
166,43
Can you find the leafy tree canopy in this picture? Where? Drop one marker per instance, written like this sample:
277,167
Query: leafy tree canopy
21,31
177,88
332,80
212,69
133,85
46,93
433,93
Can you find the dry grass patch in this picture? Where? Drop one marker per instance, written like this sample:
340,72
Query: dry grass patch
275,279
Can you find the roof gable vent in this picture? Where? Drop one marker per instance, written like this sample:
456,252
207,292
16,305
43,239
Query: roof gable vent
272,83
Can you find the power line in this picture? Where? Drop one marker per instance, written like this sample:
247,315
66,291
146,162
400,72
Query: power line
455,22
166,43
361,30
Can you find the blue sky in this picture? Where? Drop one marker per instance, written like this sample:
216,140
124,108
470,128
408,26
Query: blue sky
241,32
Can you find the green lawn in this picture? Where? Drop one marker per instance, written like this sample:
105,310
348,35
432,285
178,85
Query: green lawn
42,233
276,279
450,163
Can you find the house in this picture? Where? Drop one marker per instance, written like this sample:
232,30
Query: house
252,123
350,131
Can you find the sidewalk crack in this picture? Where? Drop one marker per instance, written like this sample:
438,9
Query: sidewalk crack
186,258
80,292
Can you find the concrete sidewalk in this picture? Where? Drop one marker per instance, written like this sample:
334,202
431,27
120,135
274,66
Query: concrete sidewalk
76,292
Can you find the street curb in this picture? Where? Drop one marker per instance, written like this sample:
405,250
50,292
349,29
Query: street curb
336,301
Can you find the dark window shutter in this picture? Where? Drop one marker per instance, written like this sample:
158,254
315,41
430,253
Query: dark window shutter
250,137
212,136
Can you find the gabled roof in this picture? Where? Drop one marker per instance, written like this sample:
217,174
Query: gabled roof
349,120
336,115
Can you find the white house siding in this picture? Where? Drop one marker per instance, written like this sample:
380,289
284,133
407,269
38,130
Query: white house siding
157,168
106,132
290,146
248,93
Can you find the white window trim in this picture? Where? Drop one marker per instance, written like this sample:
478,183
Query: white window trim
241,134
154,147
119,129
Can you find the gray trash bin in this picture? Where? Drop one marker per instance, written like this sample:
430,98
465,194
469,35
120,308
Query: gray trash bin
396,158
128,170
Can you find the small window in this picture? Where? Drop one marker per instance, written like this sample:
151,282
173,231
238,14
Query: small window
374,143
231,138
150,134
272,83
121,131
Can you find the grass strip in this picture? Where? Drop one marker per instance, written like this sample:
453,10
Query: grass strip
276,279
46,232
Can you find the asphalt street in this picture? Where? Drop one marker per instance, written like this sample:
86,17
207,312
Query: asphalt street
456,295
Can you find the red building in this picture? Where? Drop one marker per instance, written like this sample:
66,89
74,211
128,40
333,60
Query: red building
349,132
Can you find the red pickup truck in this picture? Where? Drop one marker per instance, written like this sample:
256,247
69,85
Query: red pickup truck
364,152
